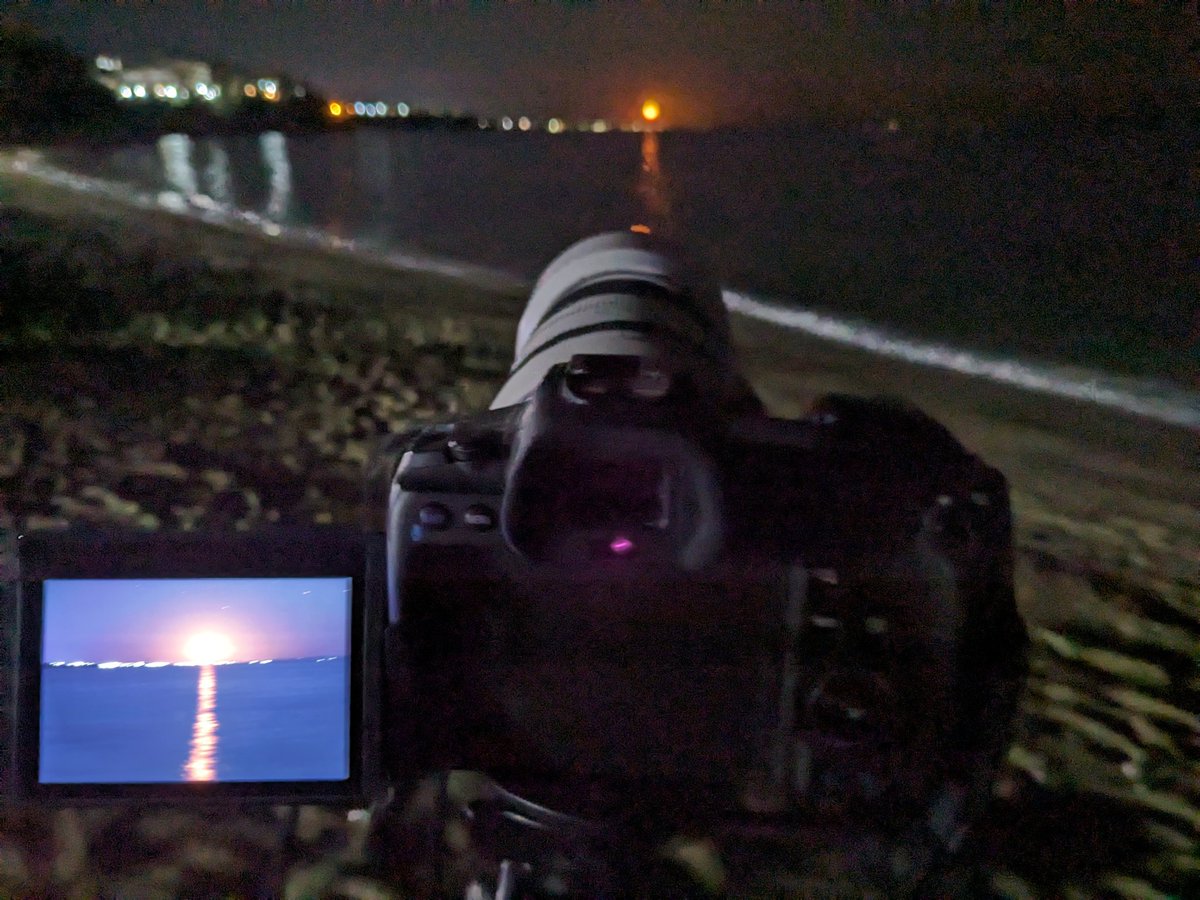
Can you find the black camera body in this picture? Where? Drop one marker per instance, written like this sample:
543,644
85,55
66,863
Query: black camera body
613,595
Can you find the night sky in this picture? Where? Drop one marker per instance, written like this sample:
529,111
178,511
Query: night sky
726,62
124,620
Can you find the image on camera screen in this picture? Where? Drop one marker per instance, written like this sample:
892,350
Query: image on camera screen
195,679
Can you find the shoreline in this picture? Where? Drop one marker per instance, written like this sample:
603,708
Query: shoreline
1170,393
1150,398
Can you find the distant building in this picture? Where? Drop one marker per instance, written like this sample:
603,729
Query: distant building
171,81
180,82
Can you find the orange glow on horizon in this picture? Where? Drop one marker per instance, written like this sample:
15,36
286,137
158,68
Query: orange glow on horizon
250,90
651,110
640,229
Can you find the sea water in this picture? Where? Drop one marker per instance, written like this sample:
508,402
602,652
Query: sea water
286,720
1051,257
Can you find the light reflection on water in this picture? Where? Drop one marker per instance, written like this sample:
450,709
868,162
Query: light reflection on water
217,174
181,173
178,169
202,761
652,185
279,174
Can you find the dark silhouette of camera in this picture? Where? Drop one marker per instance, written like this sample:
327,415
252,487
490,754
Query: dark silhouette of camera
629,595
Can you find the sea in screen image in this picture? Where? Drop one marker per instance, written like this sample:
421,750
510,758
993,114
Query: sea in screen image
175,680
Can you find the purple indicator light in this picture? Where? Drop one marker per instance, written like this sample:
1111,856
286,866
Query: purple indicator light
621,545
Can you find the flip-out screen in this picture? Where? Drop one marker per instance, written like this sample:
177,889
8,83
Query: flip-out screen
161,680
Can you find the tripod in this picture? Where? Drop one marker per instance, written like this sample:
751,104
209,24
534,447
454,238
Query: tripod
460,835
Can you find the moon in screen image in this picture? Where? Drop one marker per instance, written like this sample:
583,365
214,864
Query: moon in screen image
207,647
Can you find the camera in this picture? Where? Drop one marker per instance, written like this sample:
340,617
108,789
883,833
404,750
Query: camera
624,593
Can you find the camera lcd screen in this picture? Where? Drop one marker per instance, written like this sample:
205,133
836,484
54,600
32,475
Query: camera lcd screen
161,680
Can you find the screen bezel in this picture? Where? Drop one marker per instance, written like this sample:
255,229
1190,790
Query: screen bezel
269,553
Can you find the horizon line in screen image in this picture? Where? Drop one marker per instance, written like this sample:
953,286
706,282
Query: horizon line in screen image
197,679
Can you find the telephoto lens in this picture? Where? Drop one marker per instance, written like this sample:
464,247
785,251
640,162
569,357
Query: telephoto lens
625,294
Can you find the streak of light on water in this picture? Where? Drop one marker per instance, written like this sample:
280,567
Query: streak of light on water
202,760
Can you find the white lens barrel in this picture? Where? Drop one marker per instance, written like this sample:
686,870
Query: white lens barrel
628,294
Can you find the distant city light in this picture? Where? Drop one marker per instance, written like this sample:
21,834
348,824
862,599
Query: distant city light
599,126
126,91
335,109
299,91
108,63
640,229
651,110
250,90
524,124
554,126
381,109
170,91
402,109
360,108
139,91
207,91
506,123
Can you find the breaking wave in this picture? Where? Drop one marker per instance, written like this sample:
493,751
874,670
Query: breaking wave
1143,397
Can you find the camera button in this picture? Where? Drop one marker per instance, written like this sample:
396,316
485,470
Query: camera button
471,444
434,516
480,517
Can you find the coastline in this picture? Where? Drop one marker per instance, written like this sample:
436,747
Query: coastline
1107,505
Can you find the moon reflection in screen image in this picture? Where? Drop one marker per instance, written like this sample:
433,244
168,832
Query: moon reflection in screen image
158,680
202,758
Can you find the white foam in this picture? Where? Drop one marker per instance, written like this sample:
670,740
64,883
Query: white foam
1153,399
